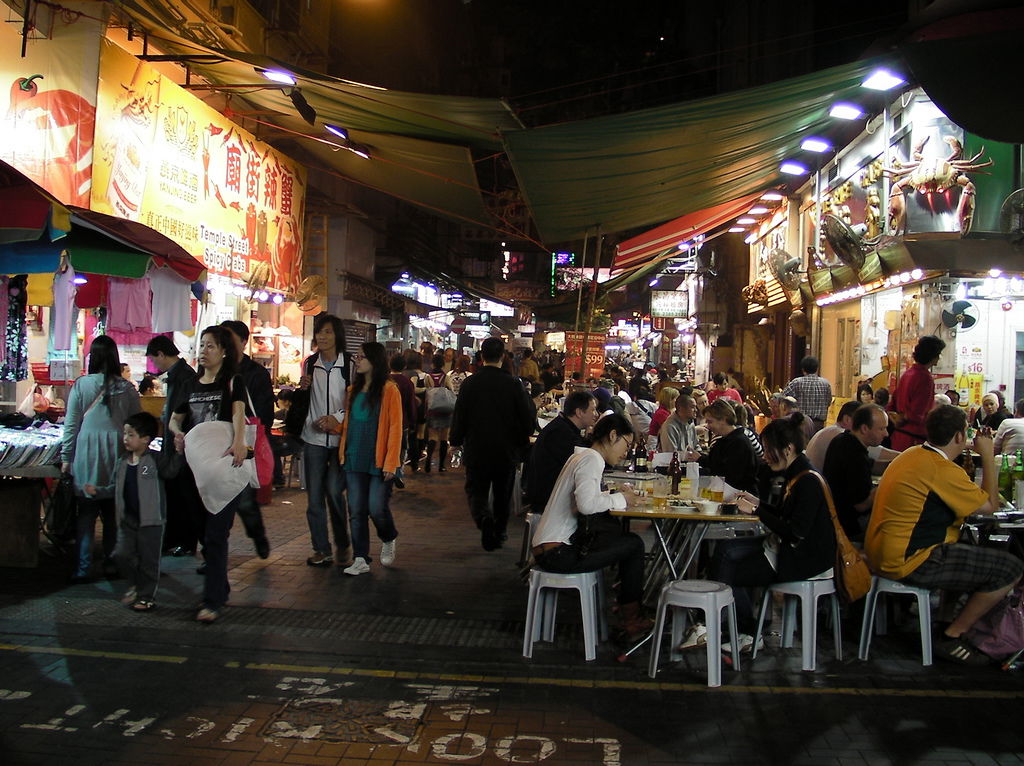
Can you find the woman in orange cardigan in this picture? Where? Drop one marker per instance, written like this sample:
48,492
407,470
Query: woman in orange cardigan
370,452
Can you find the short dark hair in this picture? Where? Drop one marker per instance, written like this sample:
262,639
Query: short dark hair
577,400
782,433
882,397
612,422
928,349
285,395
527,353
944,423
847,410
144,424
719,378
397,363
492,350
161,344
147,384
809,364
1018,408
741,412
684,400
238,328
865,415
438,361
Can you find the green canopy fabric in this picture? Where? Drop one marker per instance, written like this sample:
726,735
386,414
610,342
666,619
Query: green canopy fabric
94,253
646,167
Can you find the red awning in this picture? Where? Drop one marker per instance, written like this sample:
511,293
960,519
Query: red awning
165,251
638,250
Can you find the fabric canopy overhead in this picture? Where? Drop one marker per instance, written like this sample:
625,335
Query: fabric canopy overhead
643,247
133,238
424,141
641,168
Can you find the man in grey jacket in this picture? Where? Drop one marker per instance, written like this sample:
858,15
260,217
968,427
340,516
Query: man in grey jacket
678,433
326,378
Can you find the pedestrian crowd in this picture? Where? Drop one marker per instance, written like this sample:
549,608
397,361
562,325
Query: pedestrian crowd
362,422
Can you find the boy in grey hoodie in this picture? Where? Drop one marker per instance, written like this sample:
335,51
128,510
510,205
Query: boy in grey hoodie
141,510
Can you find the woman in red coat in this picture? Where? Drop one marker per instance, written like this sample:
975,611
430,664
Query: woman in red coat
915,394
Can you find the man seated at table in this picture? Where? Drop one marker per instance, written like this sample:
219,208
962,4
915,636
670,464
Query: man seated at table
679,432
819,443
555,445
920,505
848,466
576,535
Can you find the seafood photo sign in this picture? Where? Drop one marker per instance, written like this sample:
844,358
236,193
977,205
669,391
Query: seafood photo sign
168,160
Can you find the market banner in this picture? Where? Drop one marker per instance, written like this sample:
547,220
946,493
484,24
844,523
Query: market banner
48,102
591,364
170,161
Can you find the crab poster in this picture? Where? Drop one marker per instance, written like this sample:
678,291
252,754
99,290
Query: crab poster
48,104
166,159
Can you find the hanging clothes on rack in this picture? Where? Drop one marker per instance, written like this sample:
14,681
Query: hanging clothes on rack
15,365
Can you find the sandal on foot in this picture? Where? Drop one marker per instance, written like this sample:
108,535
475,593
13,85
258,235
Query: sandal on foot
129,597
143,605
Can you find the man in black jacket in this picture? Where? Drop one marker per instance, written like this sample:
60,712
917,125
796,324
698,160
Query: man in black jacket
492,423
186,515
555,445
261,391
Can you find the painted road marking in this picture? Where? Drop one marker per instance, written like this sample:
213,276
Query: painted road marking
453,678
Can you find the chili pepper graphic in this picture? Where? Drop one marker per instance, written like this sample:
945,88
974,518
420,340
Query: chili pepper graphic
23,89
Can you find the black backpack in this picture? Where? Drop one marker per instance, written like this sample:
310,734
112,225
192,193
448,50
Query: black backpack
295,418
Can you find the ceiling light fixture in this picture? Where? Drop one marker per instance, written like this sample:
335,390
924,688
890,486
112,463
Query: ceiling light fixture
653,282
751,239
80,280
792,168
336,130
772,196
746,220
882,79
818,145
758,210
278,299
843,111
737,229
359,150
276,75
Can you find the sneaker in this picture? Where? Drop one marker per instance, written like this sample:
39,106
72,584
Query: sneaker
959,651
320,560
746,642
358,567
207,615
696,636
387,554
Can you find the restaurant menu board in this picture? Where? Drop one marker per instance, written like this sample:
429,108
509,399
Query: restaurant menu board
591,364
166,159
48,105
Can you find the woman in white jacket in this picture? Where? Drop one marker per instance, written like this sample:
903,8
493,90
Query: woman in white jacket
326,377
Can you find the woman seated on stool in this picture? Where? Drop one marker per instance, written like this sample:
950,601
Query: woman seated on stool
802,543
559,545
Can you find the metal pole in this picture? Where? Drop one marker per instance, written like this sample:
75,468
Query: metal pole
589,324
579,292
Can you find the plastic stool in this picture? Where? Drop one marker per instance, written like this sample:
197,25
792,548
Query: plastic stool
709,596
808,591
541,608
880,585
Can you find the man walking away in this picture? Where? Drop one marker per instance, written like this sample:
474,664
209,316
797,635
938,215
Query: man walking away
492,424
812,392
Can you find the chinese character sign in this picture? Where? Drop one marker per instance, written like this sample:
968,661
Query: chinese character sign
166,159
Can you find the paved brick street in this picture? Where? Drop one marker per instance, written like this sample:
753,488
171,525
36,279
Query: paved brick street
422,664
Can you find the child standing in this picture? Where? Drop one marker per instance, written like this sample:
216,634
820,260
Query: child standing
141,511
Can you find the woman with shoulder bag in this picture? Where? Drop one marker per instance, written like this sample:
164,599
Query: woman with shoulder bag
802,543
210,429
440,403
98,405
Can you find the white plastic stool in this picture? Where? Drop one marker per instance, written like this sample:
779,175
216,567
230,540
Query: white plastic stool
880,585
709,596
808,592
541,608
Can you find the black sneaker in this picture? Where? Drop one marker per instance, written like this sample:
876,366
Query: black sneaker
959,651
